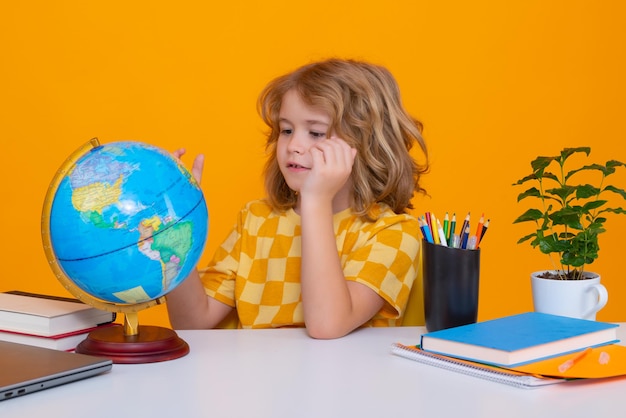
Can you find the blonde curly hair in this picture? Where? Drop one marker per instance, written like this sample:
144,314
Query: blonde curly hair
365,109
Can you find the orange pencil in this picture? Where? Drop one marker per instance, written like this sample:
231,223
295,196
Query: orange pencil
479,227
571,362
479,238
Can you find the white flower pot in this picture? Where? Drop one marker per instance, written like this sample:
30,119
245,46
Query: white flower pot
573,298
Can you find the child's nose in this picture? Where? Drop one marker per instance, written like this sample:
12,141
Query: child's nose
297,143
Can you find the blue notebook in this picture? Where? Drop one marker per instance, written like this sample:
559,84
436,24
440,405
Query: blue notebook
519,339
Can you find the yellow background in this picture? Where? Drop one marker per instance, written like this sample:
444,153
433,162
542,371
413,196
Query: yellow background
495,83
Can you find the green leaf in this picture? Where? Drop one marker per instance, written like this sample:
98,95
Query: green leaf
562,192
568,216
567,152
592,167
551,245
529,215
548,175
612,164
597,223
586,191
540,163
589,206
526,238
615,210
532,192
572,260
532,176
615,190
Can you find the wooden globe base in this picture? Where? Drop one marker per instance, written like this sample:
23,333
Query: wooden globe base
150,344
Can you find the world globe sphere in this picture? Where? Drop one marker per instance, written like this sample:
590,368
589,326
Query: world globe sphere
123,223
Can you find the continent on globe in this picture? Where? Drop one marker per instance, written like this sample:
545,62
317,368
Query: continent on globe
127,222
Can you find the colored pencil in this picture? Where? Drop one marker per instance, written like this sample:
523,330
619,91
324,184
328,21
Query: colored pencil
428,220
479,239
479,227
446,227
465,237
434,229
442,235
425,231
571,362
452,228
466,223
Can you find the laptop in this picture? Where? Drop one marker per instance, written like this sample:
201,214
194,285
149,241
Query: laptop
25,369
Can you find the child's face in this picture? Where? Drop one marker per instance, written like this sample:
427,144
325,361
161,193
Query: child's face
301,126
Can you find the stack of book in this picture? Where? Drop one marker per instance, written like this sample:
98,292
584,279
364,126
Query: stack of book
48,321
524,350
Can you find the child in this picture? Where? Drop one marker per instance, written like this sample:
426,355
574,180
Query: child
331,248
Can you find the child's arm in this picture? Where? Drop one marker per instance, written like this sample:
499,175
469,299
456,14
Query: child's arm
332,306
189,307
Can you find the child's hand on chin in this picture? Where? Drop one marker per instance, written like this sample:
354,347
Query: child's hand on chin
332,165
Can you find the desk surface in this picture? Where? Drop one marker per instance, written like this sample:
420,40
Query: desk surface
284,373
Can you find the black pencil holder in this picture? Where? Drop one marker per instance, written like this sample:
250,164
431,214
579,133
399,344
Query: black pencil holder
450,277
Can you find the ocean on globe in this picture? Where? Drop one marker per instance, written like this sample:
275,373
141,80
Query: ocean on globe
127,222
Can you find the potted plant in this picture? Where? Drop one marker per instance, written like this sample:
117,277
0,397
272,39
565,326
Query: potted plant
568,221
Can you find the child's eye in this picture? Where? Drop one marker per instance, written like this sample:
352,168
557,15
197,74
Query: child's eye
286,131
318,135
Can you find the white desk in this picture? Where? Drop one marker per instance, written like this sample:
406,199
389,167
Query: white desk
284,373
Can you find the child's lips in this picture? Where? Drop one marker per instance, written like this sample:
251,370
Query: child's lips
296,167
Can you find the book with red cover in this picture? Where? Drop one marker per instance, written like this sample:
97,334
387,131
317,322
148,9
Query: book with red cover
64,342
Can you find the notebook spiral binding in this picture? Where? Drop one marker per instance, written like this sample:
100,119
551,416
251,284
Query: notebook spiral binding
511,378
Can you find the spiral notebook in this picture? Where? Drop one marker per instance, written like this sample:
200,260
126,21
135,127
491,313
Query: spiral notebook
495,374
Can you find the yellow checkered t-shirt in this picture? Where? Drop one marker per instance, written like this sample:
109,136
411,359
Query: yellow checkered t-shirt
257,268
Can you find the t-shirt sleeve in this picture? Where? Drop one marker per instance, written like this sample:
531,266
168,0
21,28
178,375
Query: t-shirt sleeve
219,277
387,262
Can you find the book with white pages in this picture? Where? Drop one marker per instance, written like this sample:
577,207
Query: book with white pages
65,342
44,315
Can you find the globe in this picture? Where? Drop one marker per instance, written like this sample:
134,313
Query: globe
123,224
